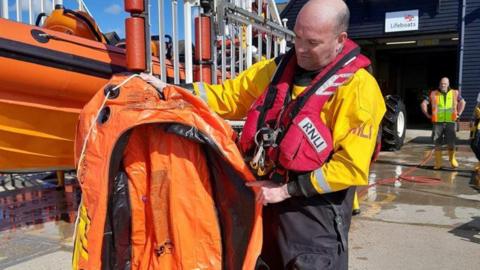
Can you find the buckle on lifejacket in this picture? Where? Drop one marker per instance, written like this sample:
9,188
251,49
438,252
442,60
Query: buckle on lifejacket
259,164
265,136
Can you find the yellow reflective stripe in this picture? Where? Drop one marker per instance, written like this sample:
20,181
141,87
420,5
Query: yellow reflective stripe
80,251
319,182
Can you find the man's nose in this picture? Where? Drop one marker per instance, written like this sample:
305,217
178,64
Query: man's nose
300,48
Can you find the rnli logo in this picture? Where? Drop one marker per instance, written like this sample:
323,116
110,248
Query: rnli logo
312,134
363,131
409,18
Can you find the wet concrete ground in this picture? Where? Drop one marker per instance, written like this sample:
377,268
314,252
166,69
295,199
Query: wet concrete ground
402,225
412,226
36,221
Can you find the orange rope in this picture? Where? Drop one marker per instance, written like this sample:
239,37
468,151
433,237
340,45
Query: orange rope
406,177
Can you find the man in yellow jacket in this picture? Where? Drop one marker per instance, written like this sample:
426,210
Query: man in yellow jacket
301,226
307,214
446,107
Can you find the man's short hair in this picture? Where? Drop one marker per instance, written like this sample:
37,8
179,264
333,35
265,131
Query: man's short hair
343,19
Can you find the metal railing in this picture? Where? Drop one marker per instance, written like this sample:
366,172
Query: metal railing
233,22
16,9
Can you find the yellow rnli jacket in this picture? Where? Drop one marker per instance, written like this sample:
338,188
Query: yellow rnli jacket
353,114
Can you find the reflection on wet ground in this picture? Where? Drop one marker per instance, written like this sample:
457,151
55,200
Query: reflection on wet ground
452,202
408,225
35,199
37,221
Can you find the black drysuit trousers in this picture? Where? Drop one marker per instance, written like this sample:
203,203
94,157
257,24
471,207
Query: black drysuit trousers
307,233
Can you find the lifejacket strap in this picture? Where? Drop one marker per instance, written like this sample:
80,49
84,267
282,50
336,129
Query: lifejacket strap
302,100
272,89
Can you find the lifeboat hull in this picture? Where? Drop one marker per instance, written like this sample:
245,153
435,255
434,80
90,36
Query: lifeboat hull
46,78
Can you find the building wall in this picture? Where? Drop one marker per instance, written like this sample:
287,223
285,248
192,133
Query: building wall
367,19
435,17
471,59
291,10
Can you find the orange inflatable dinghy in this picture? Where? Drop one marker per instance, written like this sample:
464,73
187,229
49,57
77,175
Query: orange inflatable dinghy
163,184
46,78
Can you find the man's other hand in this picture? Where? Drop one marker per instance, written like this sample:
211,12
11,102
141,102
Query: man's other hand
270,192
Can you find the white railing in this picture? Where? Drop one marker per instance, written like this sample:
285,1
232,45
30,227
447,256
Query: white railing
233,22
17,9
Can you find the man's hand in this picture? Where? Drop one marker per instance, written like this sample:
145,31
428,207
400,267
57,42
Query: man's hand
154,81
270,192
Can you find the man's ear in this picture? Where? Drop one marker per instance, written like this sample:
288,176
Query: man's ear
342,37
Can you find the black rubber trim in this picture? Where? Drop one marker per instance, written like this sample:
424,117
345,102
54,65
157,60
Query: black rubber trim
190,133
39,36
51,58
112,91
116,245
39,18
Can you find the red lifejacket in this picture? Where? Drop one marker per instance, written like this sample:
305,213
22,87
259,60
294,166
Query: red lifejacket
292,131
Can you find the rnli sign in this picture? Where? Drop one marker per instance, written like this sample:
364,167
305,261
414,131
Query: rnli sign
401,21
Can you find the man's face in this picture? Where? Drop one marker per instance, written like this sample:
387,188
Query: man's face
444,84
315,45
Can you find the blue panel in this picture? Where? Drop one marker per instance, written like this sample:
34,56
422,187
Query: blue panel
471,60
368,17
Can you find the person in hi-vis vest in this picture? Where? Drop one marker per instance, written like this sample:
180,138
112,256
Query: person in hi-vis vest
446,107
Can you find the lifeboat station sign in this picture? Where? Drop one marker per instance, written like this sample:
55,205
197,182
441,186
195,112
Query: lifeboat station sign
401,21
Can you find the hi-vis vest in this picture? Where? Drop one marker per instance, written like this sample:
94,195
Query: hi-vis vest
301,141
444,107
163,184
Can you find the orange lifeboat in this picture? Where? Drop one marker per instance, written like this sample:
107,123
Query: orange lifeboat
47,75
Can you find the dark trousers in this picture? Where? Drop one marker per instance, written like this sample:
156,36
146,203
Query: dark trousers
307,233
444,130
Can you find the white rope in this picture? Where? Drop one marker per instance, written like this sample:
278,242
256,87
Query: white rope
107,95
82,154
